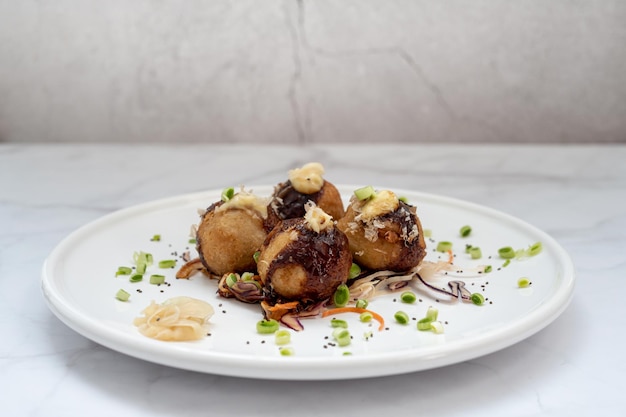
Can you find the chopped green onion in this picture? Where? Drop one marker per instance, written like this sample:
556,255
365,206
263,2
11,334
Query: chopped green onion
408,297
282,337
444,246
523,282
342,336
436,327
506,263
141,267
424,324
167,263
347,353
247,276
477,298
365,192
468,248
535,249
156,238
366,317
286,351
231,280
227,194
122,295
136,277
428,233
362,303
256,255
475,252
123,270
403,199
401,317
355,271
157,279
487,269
341,296
338,323
506,252
192,241
266,326
432,313
465,231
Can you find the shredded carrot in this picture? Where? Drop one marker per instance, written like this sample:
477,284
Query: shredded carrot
358,310
450,256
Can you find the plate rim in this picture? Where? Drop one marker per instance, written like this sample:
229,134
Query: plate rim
315,367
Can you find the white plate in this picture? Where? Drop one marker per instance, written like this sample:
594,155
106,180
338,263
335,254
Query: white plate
79,285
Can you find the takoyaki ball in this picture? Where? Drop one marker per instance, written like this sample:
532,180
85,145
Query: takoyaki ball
303,185
304,259
384,232
230,232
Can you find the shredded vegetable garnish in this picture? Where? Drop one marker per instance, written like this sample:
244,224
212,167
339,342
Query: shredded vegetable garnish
340,310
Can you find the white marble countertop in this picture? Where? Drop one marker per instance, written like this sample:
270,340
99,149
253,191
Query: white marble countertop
572,367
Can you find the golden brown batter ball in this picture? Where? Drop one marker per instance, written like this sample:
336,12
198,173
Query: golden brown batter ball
304,184
230,232
304,259
384,232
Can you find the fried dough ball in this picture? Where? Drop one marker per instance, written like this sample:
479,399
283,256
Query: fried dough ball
304,184
304,259
384,232
230,232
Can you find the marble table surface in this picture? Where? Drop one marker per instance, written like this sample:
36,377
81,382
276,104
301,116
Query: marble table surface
572,367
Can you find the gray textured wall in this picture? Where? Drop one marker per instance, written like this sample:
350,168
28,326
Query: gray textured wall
310,71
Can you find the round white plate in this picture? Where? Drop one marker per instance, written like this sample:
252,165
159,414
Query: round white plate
79,285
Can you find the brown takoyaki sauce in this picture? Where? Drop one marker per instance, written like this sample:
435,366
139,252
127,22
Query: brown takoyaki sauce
325,258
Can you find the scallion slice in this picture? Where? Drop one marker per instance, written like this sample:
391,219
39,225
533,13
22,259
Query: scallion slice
401,317
136,278
362,303
156,279
477,298
282,337
227,194
523,282
342,336
167,263
465,231
338,323
444,246
475,252
365,192
408,297
506,252
341,296
267,326
123,270
355,271
122,295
